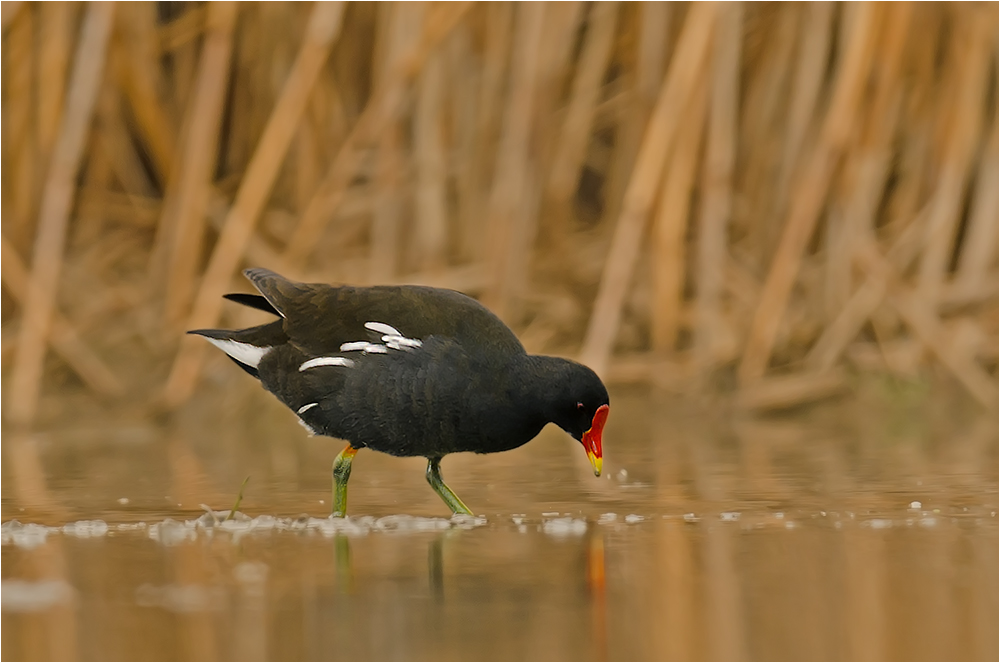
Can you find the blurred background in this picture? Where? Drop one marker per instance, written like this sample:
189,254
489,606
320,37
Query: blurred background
783,213
766,193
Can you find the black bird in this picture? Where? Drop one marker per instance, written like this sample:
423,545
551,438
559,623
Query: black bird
408,371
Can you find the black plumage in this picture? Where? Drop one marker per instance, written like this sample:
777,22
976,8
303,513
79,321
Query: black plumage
408,370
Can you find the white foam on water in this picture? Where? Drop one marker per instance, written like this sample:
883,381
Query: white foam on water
350,526
130,527
634,518
26,536
411,524
567,526
462,521
265,522
86,529
172,532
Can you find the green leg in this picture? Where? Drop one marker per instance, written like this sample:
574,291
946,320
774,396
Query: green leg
439,486
341,473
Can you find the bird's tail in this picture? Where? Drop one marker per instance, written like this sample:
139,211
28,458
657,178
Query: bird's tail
258,302
246,347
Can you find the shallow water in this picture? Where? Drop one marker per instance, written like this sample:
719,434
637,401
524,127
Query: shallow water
863,531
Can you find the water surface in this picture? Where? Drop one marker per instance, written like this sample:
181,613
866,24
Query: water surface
857,531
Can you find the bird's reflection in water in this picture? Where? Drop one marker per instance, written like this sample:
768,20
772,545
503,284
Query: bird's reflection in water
435,560
344,579
595,579
435,566
344,570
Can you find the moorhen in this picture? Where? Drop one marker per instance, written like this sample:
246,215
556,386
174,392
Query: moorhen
408,371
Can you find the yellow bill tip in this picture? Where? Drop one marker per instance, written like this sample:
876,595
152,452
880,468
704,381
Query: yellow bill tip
596,461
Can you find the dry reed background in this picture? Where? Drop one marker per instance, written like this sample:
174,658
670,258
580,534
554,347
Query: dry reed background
757,195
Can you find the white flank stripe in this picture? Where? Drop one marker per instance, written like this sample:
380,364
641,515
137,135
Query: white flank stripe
241,352
382,328
309,429
402,341
307,406
365,347
326,361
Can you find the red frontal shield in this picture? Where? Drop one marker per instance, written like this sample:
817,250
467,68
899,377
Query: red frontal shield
592,439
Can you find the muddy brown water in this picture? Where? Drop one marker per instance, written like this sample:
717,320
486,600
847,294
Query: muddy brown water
865,530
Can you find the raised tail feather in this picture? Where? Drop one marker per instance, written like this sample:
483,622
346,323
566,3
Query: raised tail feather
258,302
275,288
247,347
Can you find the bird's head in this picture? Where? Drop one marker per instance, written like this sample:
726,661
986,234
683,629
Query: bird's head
592,437
581,409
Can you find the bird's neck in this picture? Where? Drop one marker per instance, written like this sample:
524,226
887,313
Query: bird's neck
546,380
526,402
